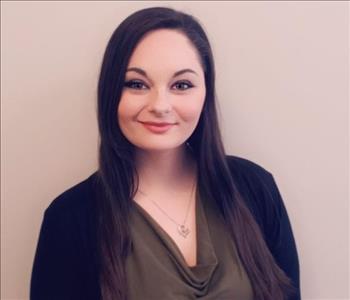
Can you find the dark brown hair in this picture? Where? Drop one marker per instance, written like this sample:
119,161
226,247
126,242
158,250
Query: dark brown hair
117,167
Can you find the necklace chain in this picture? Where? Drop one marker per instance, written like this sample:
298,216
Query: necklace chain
181,228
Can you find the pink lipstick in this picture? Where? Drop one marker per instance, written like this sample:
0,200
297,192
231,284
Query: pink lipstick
157,127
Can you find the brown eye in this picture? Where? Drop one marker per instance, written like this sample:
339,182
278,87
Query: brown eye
183,85
135,84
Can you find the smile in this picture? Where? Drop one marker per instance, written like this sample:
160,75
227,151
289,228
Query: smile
157,127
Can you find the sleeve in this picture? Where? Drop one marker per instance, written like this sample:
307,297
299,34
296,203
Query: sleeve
54,268
280,237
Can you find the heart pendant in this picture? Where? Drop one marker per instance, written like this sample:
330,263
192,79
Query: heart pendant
183,230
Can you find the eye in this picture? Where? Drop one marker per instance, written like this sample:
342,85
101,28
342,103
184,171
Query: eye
135,84
183,85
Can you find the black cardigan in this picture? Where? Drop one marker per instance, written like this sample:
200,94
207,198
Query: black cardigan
65,264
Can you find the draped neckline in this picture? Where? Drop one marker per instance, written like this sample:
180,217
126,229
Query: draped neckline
200,274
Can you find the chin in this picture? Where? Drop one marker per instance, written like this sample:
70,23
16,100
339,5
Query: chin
156,147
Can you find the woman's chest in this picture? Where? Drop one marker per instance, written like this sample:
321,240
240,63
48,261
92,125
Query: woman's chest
158,265
178,225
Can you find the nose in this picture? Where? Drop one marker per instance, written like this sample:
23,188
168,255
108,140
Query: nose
159,103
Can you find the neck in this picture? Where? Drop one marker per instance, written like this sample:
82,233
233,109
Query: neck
165,168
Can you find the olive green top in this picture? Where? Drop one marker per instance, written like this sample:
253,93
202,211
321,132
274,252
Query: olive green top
156,269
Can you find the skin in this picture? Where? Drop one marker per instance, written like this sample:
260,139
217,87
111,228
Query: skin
166,169
161,98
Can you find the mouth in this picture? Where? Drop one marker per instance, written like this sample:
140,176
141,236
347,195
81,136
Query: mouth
157,123
157,127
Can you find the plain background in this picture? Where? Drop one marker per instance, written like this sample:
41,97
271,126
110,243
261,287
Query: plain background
282,86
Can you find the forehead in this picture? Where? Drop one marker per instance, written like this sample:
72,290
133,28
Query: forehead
165,49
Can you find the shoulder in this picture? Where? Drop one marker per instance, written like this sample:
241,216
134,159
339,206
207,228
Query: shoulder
246,166
249,176
249,173
75,199
258,189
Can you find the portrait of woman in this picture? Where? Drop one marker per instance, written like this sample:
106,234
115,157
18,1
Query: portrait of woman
168,214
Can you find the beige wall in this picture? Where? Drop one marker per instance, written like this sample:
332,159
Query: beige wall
282,70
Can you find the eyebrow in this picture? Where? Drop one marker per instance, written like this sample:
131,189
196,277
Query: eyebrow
143,72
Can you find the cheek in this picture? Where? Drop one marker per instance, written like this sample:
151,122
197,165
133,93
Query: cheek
192,108
121,111
127,108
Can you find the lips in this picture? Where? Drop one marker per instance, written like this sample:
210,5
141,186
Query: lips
158,127
157,123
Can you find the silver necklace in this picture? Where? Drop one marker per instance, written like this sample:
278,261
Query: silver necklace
182,229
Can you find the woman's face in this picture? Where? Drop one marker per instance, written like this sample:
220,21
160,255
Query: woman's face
164,92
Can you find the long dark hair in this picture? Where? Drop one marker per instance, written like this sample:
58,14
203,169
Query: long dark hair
117,169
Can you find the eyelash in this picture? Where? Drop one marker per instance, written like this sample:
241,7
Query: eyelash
130,83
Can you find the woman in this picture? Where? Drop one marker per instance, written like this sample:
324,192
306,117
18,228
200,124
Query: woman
167,215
